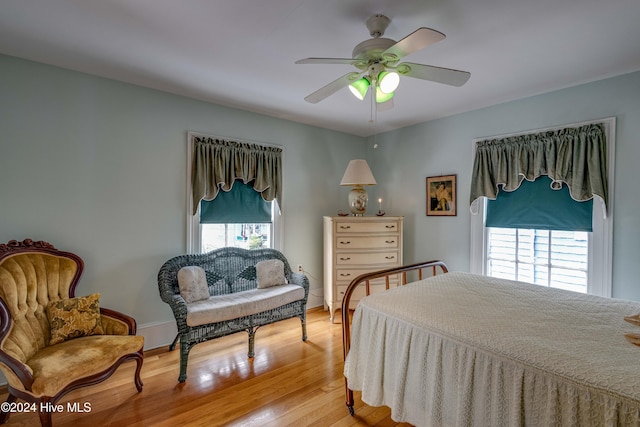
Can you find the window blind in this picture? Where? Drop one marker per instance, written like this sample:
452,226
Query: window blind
536,205
240,205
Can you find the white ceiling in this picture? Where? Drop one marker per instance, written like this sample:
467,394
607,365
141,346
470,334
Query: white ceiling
241,53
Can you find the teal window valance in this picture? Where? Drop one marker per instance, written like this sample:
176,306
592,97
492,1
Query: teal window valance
240,205
536,205
218,163
573,156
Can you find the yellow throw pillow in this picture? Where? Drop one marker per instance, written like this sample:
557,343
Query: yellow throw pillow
74,317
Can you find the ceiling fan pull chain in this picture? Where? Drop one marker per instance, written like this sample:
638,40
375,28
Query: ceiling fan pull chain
374,108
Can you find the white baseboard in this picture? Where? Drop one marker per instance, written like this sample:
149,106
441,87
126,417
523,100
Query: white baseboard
157,334
314,301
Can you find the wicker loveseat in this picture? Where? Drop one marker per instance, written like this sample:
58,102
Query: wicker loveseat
235,303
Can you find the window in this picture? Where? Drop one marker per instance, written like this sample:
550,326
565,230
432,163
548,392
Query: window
549,258
247,236
247,232
237,216
575,260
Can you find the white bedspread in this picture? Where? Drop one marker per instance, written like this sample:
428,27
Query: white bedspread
466,350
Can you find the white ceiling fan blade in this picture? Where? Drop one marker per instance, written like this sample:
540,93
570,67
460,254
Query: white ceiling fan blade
348,61
333,87
435,74
419,39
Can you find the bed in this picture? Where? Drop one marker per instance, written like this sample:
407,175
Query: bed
457,349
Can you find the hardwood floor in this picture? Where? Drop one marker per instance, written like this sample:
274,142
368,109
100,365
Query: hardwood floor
288,383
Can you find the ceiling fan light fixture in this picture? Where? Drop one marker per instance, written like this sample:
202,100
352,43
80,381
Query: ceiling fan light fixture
359,88
388,81
377,59
383,97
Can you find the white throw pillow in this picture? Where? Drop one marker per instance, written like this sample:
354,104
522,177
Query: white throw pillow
269,273
192,282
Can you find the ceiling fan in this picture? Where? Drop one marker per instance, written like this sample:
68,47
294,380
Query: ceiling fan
377,61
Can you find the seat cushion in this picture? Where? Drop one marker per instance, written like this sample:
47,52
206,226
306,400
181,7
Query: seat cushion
56,366
239,304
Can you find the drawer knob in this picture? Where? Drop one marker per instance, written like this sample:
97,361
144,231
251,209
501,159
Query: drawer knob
389,241
390,257
345,243
345,274
390,226
345,227
345,259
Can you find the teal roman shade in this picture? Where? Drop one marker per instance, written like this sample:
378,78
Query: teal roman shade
535,204
240,205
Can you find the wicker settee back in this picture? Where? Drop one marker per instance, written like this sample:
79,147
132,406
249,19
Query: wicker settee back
228,270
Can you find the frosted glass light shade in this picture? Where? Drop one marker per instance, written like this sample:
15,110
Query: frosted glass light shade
383,97
359,88
388,81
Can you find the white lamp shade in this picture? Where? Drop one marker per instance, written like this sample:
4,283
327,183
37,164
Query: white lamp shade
358,173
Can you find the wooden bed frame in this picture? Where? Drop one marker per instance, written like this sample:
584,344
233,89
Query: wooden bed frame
366,279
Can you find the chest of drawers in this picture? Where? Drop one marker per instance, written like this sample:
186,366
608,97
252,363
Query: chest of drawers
354,246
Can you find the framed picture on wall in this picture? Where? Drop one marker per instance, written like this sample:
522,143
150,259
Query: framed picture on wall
441,195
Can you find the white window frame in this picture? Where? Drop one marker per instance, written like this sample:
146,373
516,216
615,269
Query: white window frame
194,232
599,277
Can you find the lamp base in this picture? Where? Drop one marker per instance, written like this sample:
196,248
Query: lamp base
358,200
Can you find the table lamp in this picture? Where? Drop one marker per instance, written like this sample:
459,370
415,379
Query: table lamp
358,175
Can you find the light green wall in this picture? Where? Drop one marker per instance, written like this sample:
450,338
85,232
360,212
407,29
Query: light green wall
404,159
98,168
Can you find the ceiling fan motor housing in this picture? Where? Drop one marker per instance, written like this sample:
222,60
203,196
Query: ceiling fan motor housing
377,25
371,50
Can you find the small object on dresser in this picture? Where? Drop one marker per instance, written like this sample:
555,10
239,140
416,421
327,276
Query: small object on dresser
380,211
341,213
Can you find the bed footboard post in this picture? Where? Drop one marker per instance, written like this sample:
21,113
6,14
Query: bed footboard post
349,401
346,342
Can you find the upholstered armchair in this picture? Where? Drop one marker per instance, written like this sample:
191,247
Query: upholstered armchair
51,342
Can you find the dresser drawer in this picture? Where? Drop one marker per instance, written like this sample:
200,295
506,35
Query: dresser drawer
354,246
366,242
347,227
344,276
377,260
